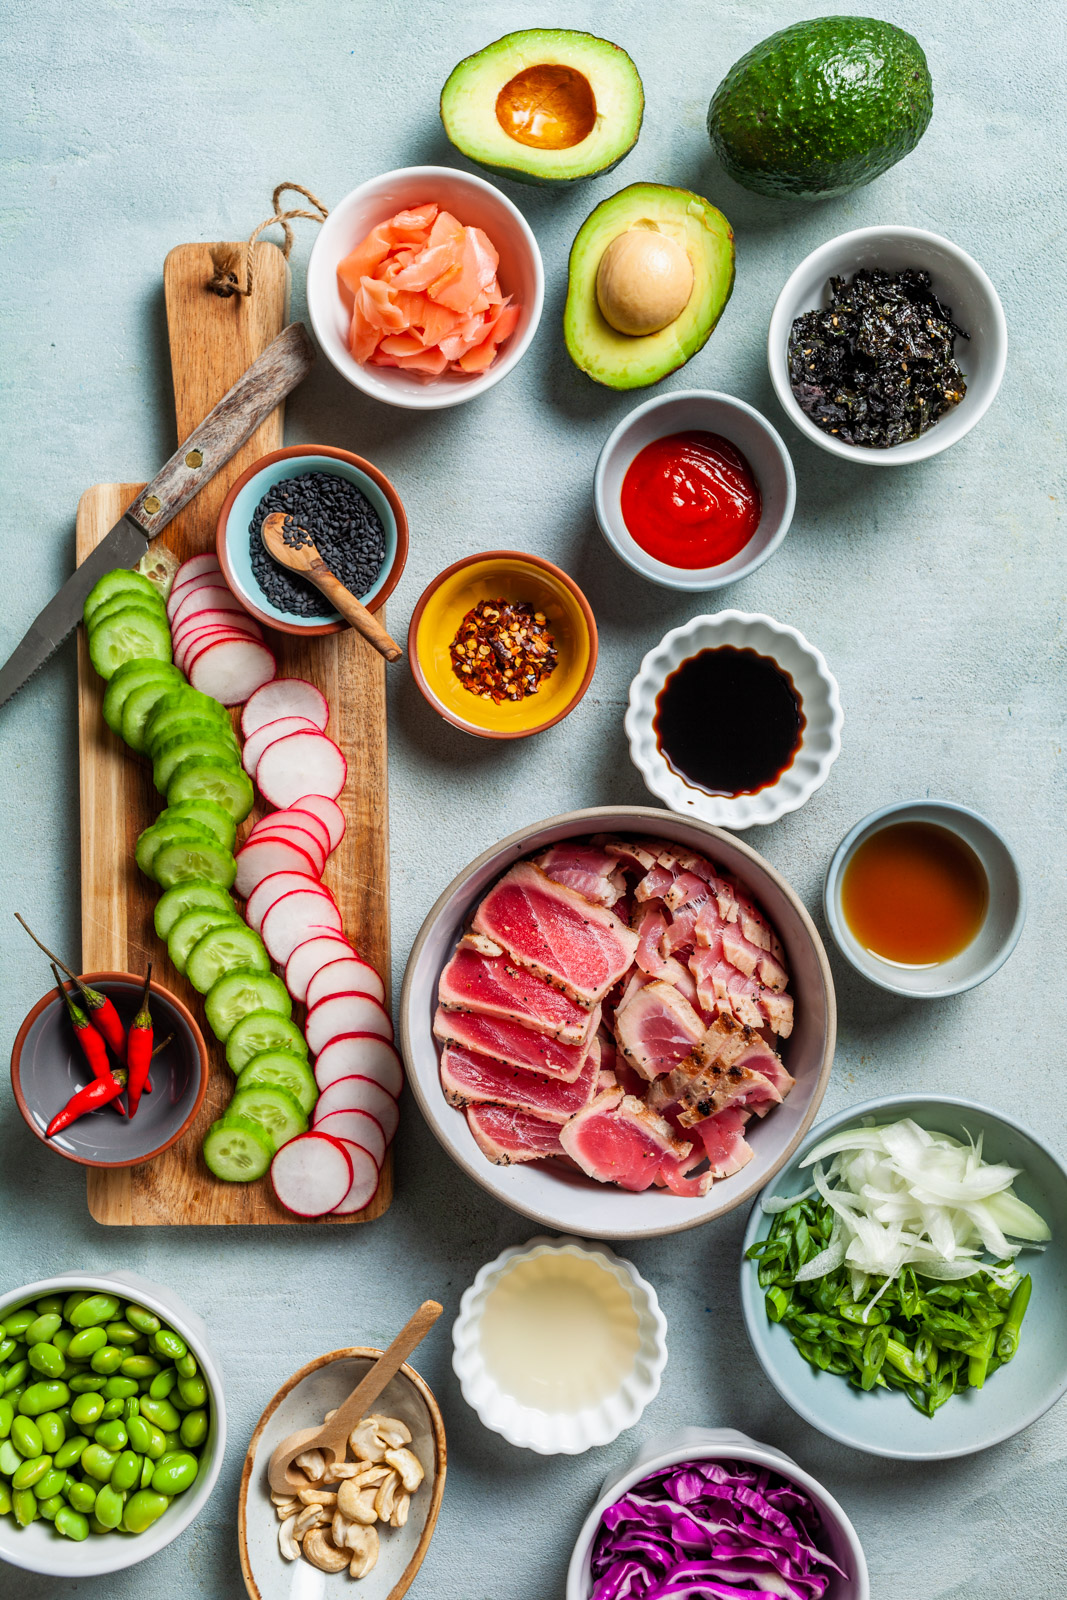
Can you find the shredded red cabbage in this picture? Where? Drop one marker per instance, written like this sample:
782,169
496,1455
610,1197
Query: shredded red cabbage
708,1530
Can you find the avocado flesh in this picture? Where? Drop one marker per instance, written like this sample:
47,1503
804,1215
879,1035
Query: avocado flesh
622,361
822,107
469,105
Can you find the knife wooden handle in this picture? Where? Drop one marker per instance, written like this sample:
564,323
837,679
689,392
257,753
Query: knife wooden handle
269,379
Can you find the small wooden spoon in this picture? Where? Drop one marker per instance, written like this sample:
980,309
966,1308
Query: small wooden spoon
332,1437
305,559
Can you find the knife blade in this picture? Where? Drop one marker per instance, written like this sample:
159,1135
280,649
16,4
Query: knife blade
223,431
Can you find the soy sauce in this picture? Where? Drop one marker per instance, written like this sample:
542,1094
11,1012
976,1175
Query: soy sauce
728,721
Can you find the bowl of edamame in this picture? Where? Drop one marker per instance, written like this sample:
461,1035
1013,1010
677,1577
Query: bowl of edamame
112,1422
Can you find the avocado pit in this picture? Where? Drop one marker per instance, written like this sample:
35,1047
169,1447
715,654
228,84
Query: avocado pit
547,107
644,281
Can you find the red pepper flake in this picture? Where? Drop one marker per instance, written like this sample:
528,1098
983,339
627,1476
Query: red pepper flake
503,651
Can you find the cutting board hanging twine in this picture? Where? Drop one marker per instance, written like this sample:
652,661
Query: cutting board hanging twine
233,263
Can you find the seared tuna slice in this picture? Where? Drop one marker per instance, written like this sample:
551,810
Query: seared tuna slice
725,1068
583,867
724,991
616,1139
723,1138
656,1028
471,1079
650,924
511,1043
505,1136
556,933
481,978
631,854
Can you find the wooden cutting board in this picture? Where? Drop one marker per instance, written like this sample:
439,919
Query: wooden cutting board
212,342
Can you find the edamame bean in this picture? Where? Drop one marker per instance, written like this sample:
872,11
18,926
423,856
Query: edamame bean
95,1309
186,1365
126,1473
147,1470
24,1505
145,1438
97,1527
142,1509
26,1437
144,1321
86,1344
121,1333
81,1495
31,1472
16,1374
170,1344
108,1359
193,1391
69,1453
73,1299
98,1462
87,1382
109,1506
62,1339
175,1473
171,1439
112,1435
16,1322
49,1302
120,1388
71,1524
193,1430
7,1416
42,1328
46,1359
49,1509
162,1413
130,1409
87,1410
39,1397
52,1483
8,1348
11,1461
52,1430
139,1367
163,1383
112,1409
5,1499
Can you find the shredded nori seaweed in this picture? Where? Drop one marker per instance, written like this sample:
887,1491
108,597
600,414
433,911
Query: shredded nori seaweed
877,366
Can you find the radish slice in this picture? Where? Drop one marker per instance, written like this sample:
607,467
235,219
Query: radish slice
289,920
197,567
271,889
303,838
213,617
362,1055
308,957
289,765
342,1013
285,697
257,742
182,591
345,976
312,1174
206,597
364,1184
360,1127
320,805
359,1094
232,670
188,653
263,858
299,819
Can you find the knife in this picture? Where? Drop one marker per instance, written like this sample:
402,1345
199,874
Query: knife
223,431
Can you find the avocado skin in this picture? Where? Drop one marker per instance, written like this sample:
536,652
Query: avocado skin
822,107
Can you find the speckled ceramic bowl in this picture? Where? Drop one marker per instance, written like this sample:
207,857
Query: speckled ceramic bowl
47,1066
815,686
552,1433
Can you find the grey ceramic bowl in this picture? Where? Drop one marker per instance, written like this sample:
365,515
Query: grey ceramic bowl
885,1423
995,939
47,1066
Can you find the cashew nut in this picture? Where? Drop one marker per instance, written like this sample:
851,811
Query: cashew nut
279,1497
400,1511
286,1508
313,1464
364,1442
408,1466
310,1517
317,1497
286,1543
356,1502
343,1469
330,1415
383,1500
392,1431
322,1554
363,1543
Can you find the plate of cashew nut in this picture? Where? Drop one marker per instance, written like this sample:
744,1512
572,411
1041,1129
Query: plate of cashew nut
370,1517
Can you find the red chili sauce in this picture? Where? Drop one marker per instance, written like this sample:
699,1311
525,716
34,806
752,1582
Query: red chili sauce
690,500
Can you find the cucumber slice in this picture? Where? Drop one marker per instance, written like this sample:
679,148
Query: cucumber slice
274,1109
130,677
194,858
118,581
139,705
164,832
227,784
207,815
111,607
179,724
261,1031
225,949
237,1150
240,993
193,702
191,926
189,896
129,635
215,747
282,1069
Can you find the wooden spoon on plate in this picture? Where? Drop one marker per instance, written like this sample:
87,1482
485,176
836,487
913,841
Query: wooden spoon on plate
332,1437
304,558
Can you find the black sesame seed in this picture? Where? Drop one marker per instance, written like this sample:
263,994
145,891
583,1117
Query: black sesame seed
329,511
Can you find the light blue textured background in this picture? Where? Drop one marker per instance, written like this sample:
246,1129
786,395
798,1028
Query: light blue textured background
935,592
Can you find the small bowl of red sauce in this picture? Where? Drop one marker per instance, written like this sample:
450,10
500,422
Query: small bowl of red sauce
694,490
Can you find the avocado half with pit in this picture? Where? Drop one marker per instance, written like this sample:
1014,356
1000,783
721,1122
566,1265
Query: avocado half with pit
545,105
650,273
822,107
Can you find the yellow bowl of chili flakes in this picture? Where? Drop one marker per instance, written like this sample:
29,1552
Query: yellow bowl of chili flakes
503,644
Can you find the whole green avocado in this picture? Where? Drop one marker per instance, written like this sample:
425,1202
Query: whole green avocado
822,107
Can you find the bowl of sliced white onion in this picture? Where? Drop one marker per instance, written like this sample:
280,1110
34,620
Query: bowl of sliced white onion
935,1202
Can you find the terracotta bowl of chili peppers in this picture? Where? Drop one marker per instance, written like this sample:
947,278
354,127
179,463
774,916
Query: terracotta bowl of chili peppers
109,1069
503,644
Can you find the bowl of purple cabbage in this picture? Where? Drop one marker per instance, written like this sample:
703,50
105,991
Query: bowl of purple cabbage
708,1514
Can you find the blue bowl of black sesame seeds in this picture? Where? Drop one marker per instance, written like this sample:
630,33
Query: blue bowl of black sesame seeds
350,509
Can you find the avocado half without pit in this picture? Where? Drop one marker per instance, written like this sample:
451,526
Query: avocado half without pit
650,273
545,105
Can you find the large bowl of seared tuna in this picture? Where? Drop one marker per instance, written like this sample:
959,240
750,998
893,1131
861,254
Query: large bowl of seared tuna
620,1022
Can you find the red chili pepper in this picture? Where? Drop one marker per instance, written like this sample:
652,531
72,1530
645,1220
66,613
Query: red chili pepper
101,1092
93,1047
105,1018
139,1047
